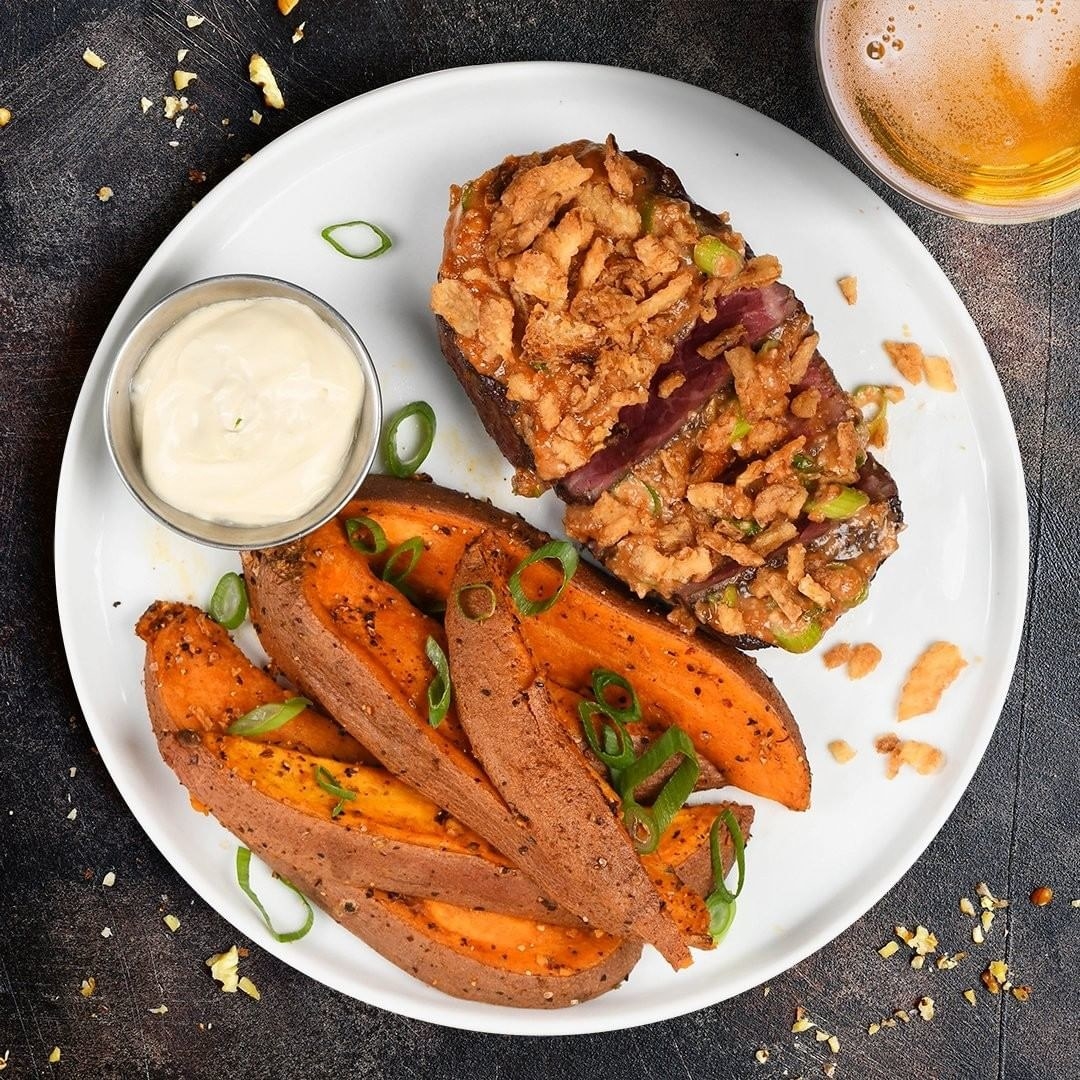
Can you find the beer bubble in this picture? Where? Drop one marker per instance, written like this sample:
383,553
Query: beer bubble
875,50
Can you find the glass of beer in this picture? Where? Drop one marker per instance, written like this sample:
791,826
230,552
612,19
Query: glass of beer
971,108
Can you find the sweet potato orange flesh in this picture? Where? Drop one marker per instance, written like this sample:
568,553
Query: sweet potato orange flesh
357,646
533,762
726,704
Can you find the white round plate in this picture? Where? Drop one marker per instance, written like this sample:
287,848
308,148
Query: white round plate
960,575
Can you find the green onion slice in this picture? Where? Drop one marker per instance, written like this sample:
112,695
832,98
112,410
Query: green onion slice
721,916
798,641
654,499
438,691
677,788
647,209
425,415
476,610
229,604
602,678
268,717
355,529
730,596
325,779
717,259
721,901
742,426
642,826
848,503
467,194
566,555
411,549
803,463
243,878
372,233
873,396
613,745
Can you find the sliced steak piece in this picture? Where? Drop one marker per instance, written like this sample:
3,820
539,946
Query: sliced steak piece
625,346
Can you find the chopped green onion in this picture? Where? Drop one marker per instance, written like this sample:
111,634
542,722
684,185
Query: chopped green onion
654,499
803,463
676,790
325,779
384,241
413,548
647,210
425,416
870,394
354,529
742,425
438,691
717,259
844,505
721,901
268,717
602,678
746,527
617,749
641,825
243,879
568,558
476,613
467,194
229,604
798,641
730,596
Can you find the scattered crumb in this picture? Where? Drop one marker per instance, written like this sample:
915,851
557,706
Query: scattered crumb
969,996
73,813
249,988
173,142
947,962
88,986
1042,896
256,118
873,1029
987,899
926,1008
298,34
72,771
864,658
829,1069
922,757
802,1020
172,106
821,1036
836,656
996,973
106,932
286,6
939,374
1021,993
90,57
5,117
172,922
179,120
890,948
987,919
260,74
907,358
194,20
966,906
762,1054
841,751
196,176
180,54
4,1060
160,1010
54,1056
930,676
917,962
109,880
977,934
223,966
105,193
922,940
1075,903
183,79
849,287
145,104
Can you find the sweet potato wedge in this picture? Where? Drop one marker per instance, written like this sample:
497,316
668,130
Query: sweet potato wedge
537,768
357,645
720,697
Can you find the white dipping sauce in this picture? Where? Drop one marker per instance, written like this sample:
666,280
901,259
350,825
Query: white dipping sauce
245,410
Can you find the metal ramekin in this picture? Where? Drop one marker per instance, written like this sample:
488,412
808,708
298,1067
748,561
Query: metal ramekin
120,434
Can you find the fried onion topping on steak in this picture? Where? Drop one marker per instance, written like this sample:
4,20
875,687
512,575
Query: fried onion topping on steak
627,347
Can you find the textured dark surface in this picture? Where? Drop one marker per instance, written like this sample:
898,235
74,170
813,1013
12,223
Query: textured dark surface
65,262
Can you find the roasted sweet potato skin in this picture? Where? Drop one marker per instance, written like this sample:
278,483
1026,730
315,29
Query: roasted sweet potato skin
739,722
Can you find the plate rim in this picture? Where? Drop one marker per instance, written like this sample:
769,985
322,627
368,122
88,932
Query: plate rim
512,1019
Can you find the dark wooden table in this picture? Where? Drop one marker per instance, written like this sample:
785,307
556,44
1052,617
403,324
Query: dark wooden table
66,260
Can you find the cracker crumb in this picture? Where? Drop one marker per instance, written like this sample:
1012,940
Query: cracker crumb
223,967
105,193
180,54
864,658
931,674
762,1055
286,6
969,996
926,1008
947,962
834,1044
977,934
183,79
93,60
966,906
5,117
159,1010
1021,993
172,922
145,104
298,34
1075,903
890,948
106,931
194,21
939,374
841,751
88,985
873,1029
886,744
849,289
829,1069
987,919
917,962
837,656
54,1055
922,757
260,74
907,358
821,1036
249,988
109,880
73,813
256,118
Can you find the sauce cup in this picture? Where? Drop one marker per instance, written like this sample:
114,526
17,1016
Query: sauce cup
122,438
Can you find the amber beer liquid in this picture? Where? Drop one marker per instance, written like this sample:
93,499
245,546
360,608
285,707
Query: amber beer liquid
968,106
